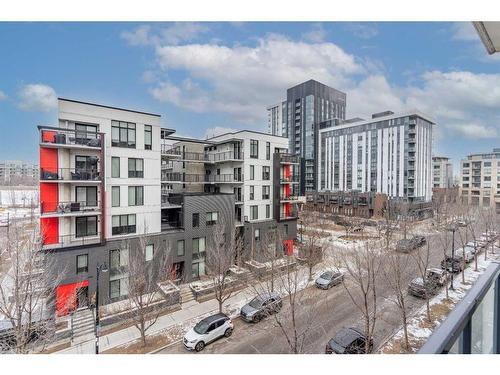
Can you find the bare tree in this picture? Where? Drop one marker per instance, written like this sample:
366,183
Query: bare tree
270,252
363,267
444,240
422,260
222,248
489,220
27,291
311,249
146,272
397,270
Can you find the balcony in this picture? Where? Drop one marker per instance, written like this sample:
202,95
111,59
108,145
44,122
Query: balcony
59,209
293,179
176,177
71,139
71,240
227,156
71,175
289,159
289,198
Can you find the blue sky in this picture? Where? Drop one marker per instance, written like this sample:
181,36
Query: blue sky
206,77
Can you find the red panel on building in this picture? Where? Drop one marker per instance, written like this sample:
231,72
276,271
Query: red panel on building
288,247
48,136
49,228
49,193
66,297
287,171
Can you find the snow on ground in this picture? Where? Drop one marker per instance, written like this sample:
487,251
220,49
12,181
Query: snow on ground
10,197
7,214
419,329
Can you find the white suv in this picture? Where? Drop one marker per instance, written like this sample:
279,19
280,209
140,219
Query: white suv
208,330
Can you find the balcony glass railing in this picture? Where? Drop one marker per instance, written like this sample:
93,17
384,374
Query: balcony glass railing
70,174
201,178
68,207
62,137
289,159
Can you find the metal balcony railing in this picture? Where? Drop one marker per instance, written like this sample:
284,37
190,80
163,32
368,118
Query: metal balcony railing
292,178
201,178
289,159
226,156
68,207
57,136
70,174
70,240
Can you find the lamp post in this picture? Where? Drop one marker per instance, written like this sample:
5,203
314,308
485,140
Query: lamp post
101,268
452,228
301,229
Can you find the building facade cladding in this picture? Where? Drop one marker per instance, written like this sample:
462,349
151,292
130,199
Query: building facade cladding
442,172
480,180
390,155
308,104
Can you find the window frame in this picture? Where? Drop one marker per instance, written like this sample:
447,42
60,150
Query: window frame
115,159
148,130
113,196
80,270
254,149
125,130
135,172
136,201
86,220
152,247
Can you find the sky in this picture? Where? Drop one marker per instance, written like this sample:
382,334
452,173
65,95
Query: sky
206,78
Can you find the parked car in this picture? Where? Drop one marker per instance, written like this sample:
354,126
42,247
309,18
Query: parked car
348,341
407,245
260,307
468,253
328,279
462,223
454,265
207,330
435,278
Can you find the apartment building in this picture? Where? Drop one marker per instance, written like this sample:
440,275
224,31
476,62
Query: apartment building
277,119
308,104
107,180
442,172
18,172
390,154
480,179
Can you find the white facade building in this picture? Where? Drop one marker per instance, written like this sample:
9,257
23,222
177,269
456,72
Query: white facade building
442,172
390,154
277,119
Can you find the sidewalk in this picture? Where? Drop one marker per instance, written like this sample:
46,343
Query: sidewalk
184,319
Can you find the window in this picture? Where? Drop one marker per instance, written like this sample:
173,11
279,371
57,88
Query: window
198,269
85,131
135,168
149,252
136,195
266,189
254,149
252,172
82,263
286,228
85,163
266,173
86,195
268,150
118,260
86,226
122,134
115,196
148,137
123,224
196,220
115,167
252,193
256,234
180,248
211,218
268,211
198,245
254,212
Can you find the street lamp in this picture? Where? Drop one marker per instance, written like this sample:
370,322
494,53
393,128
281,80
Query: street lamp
452,228
102,268
301,229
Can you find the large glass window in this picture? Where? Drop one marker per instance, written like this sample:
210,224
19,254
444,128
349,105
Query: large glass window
86,195
85,132
212,217
196,220
252,193
266,173
82,263
149,252
180,248
115,196
148,137
115,167
136,195
254,149
198,245
86,226
123,224
252,172
268,211
254,212
122,134
268,150
266,192
135,168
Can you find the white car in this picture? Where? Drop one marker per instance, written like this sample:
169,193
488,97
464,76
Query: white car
473,247
468,255
207,330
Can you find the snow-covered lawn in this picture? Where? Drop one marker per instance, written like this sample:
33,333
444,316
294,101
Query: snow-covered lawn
419,328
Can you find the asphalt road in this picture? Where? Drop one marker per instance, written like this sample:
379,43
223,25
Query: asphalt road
334,311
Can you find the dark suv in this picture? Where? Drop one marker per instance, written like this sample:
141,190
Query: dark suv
260,307
348,341
454,265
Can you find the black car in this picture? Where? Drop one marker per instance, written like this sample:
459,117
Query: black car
454,265
348,341
260,307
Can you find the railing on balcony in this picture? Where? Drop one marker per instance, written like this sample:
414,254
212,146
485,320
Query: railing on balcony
70,174
47,207
289,159
171,224
201,178
291,178
290,197
71,137
70,240
291,215
226,155
169,150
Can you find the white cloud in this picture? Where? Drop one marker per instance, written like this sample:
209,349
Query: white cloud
3,96
317,34
464,31
362,30
474,130
37,97
177,32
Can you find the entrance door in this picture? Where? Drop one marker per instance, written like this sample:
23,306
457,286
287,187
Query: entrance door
82,297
